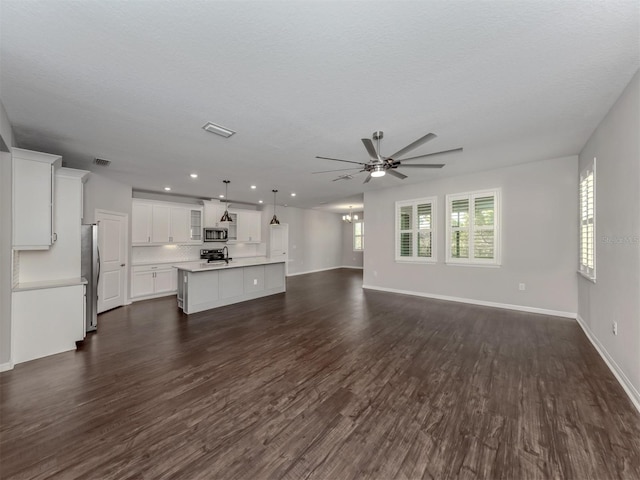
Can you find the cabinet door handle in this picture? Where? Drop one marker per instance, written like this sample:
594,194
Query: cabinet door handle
148,239
122,264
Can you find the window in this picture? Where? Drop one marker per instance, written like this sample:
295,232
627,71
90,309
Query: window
472,228
587,263
358,236
415,230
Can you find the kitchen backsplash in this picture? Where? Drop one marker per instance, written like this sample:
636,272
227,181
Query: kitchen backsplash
190,253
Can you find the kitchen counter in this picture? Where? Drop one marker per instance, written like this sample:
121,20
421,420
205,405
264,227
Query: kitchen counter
203,266
203,286
65,282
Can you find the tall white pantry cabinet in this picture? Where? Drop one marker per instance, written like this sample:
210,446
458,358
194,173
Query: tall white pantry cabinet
48,297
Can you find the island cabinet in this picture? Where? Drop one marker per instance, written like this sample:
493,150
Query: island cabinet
203,286
162,223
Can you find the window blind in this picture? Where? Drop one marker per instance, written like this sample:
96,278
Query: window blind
587,222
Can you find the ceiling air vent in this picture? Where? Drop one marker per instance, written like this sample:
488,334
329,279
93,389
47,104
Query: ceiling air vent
102,162
218,130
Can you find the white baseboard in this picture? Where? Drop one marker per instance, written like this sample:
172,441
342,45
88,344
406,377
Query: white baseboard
149,297
628,387
311,271
6,366
520,308
349,266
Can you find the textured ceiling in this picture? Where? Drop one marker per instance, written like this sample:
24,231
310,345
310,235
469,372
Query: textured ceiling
133,82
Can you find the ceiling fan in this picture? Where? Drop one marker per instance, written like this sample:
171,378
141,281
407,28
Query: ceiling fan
379,165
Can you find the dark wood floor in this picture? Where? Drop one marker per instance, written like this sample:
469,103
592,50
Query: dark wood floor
326,381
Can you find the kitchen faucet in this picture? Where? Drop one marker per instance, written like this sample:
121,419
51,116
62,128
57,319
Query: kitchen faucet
225,250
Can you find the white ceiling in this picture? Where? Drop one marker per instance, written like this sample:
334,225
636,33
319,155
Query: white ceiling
133,82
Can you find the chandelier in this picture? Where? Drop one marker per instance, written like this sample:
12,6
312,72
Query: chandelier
350,217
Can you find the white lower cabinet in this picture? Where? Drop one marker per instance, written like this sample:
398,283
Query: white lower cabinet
149,281
46,321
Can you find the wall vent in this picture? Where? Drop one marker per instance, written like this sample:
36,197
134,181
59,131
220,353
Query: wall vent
102,162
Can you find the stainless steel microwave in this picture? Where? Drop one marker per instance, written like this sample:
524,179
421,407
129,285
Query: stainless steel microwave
215,234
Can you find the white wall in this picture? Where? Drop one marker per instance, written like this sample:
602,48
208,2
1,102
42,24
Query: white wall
6,240
105,194
315,237
616,295
349,257
539,246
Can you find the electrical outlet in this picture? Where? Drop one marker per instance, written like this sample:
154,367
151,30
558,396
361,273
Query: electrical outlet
255,281
522,287
614,328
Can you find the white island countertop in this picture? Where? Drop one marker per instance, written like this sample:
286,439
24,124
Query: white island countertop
203,266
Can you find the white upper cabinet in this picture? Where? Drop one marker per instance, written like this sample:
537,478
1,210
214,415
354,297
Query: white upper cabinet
247,226
33,199
140,222
180,231
213,211
160,223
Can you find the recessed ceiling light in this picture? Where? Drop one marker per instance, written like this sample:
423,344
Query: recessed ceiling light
253,187
260,201
221,196
167,188
293,194
194,175
218,130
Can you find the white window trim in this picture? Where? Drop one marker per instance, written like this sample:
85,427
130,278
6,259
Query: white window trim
434,218
584,270
353,236
471,196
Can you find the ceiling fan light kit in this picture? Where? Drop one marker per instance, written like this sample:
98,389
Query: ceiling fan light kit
378,171
379,165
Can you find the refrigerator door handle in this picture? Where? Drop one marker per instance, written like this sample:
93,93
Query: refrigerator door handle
99,267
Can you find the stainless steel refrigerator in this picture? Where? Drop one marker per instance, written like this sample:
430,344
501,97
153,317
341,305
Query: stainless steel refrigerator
90,269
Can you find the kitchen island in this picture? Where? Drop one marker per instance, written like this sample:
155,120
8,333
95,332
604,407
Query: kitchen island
202,285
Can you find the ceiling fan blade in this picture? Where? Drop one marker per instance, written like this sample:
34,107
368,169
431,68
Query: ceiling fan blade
420,165
343,177
396,174
444,152
340,160
337,170
366,180
371,150
416,144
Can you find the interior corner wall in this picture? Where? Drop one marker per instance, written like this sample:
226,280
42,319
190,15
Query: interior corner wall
539,239
315,238
615,297
105,194
6,238
350,258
